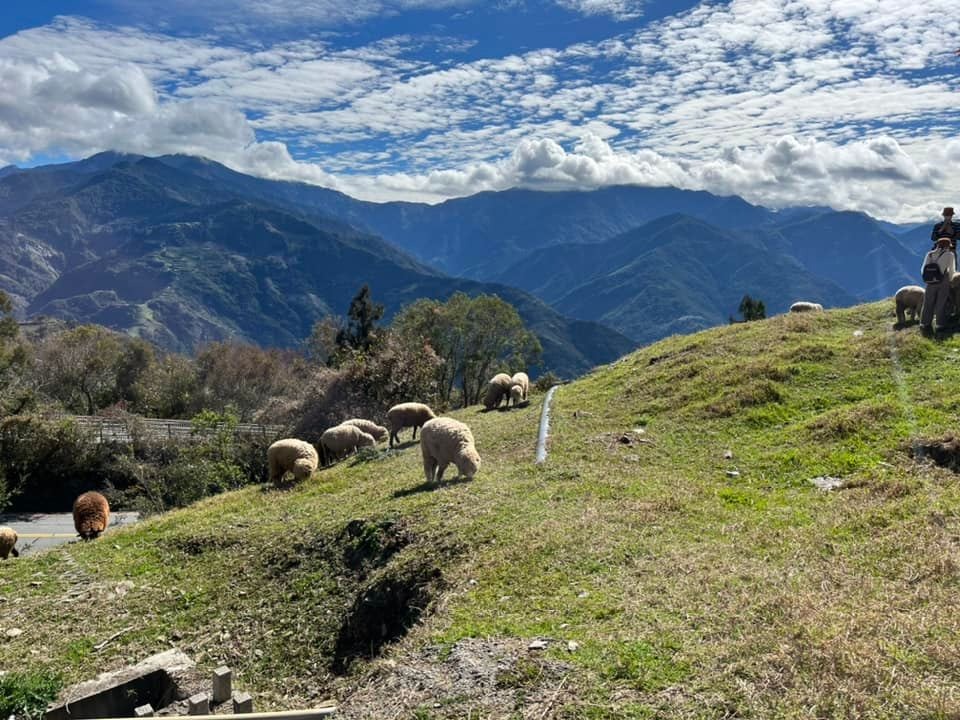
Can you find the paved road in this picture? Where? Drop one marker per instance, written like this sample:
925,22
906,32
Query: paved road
54,523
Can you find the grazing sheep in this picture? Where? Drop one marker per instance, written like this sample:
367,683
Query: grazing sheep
804,306
519,389
291,455
8,543
91,515
379,432
342,440
497,389
444,441
909,299
407,415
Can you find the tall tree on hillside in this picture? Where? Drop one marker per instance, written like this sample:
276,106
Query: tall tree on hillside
15,390
475,337
751,309
244,378
362,320
80,367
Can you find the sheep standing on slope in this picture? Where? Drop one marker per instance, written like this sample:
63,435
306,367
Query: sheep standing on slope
497,390
291,455
8,543
909,299
340,441
91,515
378,432
444,441
407,415
519,389
804,306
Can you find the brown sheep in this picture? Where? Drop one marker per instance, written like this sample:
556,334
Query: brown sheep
8,543
91,515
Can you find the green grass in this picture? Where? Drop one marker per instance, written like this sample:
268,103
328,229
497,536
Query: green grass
26,694
690,593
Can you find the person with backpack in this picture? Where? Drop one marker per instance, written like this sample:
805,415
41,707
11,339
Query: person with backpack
947,227
938,268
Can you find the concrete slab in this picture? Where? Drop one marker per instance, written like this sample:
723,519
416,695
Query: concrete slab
55,524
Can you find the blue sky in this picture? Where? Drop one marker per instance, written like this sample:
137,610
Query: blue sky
847,103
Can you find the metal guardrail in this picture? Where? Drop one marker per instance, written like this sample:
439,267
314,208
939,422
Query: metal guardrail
117,430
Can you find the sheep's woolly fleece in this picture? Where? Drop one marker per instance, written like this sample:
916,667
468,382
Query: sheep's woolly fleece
91,515
8,543
404,415
497,389
378,432
291,455
444,441
344,439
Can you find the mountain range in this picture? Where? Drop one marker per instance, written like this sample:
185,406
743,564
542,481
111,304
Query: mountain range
182,251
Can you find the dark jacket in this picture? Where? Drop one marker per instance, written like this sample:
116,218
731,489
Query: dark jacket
945,228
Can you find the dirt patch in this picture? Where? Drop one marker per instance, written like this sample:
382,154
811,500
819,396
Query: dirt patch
472,678
945,452
369,582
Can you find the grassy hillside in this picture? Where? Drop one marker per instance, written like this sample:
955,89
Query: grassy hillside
666,585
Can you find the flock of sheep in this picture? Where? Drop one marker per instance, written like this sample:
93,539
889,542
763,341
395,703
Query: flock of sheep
91,515
443,442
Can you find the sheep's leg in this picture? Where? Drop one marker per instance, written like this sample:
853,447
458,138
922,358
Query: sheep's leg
393,436
440,472
429,465
274,468
415,432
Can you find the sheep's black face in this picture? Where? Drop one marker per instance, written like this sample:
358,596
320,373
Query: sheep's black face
90,534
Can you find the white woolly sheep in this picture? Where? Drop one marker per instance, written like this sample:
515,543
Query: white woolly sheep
379,432
804,306
909,299
91,515
444,441
342,440
519,389
407,415
8,543
497,390
291,455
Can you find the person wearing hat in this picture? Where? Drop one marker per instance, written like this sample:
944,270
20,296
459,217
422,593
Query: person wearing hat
948,227
938,268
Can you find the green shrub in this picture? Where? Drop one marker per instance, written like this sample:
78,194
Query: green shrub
27,694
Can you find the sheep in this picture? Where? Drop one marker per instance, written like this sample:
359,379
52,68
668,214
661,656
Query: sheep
8,543
444,441
519,389
291,455
497,389
909,299
406,415
342,440
91,515
804,306
378,432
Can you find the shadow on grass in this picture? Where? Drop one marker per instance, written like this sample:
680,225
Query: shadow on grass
429,487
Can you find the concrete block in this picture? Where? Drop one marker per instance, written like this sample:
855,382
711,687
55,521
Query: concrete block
198,704
222,684
242,703
143,711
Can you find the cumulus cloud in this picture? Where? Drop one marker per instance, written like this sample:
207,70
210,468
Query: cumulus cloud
841,102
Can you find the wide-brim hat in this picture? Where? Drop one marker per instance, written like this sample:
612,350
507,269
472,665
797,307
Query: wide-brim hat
948,210
944,240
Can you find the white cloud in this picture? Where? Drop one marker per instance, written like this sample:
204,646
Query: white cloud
619,9
781,101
